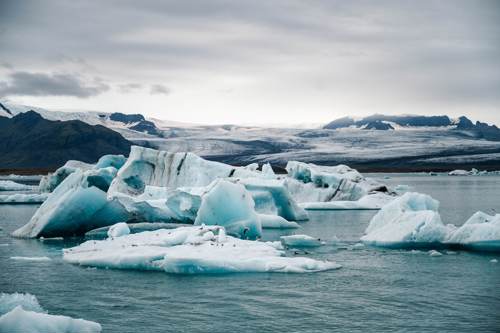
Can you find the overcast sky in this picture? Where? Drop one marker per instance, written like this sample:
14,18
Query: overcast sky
253,61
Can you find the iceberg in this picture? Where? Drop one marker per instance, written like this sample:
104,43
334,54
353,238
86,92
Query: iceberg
21,313
300,241
20,198
9,185
368,202
51,181
276,222
480,232
231,206
77,205
272,197
134,228
411,220
191,250
312,183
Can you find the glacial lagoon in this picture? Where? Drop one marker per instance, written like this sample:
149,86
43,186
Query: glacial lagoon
375,290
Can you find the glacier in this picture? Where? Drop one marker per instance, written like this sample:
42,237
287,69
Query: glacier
191,250
21,313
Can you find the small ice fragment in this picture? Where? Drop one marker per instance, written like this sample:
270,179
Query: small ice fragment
31,258
434,253
300,241
358,246
494,261
118,229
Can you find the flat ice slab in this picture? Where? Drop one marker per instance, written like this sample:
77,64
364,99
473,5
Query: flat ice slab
300,241
21,313
23,198
191,250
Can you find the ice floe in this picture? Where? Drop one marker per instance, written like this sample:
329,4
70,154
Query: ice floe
368,202
191,250
300,241
31,258
21,313
31,198
9,185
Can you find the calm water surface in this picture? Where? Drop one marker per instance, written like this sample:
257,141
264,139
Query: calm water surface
376,290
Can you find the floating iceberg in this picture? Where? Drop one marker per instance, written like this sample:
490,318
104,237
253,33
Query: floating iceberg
51,181
77,205
31,258
411,220
480,232
21,313
9,185
313,183
191,250
231,206
300,241
20,198
276,222
368,202
272,197
134,228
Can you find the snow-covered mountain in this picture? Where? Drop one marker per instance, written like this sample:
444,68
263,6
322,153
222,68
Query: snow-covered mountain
389,143
129,125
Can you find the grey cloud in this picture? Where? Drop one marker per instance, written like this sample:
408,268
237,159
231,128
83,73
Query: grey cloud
129,87
42,84
159,89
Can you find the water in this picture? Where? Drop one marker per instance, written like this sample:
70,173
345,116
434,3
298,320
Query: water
376,290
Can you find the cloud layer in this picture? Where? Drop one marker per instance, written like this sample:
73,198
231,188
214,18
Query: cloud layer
283,60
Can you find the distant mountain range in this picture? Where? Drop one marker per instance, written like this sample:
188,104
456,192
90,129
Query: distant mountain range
375,143
383,122
28,141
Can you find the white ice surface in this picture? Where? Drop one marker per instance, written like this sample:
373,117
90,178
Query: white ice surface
21,313
23,198
119,229
480,232
368,202
191,250
231,206
300,241
411,219
9,185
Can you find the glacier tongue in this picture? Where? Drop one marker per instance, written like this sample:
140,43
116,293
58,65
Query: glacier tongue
191,250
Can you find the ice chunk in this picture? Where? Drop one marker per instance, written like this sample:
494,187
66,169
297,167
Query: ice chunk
410,220
9,185
434,253
77,205
134,228
51,181
272,197
300,241
191,250
368,202
118,230
21,313
494,261
276,222
9,301
231,206
459,173
172,170
115,161
31,258
480,232
22,321
23,198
